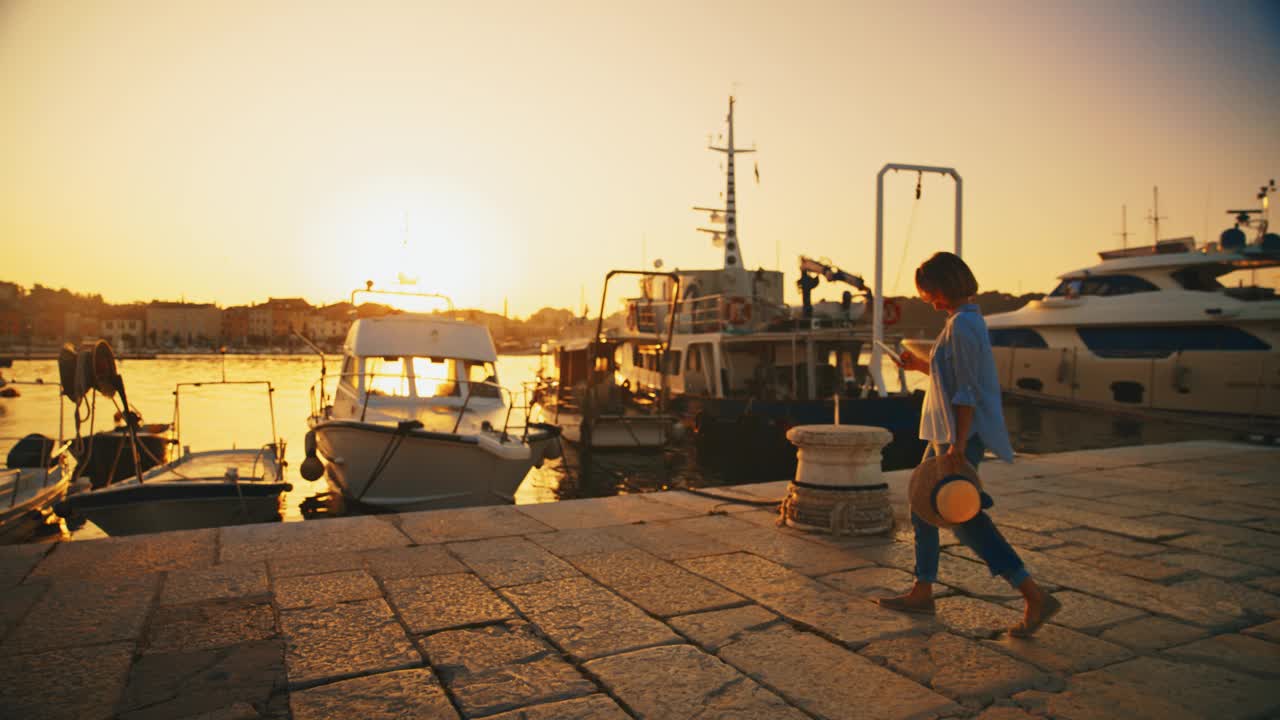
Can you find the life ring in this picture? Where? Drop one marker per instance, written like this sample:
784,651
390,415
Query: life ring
892,312
737,311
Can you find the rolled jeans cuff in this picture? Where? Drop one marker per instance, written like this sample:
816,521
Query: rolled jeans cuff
1016,577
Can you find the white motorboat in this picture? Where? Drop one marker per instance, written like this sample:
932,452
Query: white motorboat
211,488
416,418
1154,328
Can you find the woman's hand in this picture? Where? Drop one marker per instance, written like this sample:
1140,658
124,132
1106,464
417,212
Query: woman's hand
955,453
910,361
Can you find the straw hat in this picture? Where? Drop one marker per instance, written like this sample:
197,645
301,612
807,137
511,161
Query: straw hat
945,491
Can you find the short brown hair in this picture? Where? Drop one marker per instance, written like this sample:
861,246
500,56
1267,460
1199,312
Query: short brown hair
946,274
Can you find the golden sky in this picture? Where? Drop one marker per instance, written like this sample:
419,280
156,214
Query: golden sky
231,151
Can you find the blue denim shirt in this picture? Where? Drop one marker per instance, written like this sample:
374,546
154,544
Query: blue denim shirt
962,371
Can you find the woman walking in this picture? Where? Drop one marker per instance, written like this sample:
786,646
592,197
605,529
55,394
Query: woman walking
961,418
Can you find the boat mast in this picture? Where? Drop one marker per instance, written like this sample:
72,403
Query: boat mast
1124,226
1155,217
732,250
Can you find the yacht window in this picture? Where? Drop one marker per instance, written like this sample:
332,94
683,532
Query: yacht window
435,377
1203,279
1158,342
483,379
386,376
673,362
1017,337
1102,285
348,374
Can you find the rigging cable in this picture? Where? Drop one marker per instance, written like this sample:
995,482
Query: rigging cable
911,224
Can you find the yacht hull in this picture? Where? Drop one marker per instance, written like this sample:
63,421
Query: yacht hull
377,466
136,509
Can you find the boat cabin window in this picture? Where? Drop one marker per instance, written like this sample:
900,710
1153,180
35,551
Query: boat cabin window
387,376
1017,337
480,375
1163,341
1102,285
348,374
1204,278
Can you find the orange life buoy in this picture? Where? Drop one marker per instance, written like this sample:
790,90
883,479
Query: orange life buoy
892,311
737,311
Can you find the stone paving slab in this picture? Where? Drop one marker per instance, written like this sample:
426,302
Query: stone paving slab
1109,542
497,668
1231,596
1267,631
657,586
669,541
340,641
1090,696
850,620
81,683
702,504
1087,614
1144,568
587,541
188,628
871,582
1209,691
476,523
407,562
1149,634
1209,565
412,693
1245,654
959,668
445,601
713,630
1173,602
585,620
1145,529
334,535
17,561
670,683
191,684
510,561
218,582
303,591
793,552
75,614
111,558
16,602
593,707
827,680
599,512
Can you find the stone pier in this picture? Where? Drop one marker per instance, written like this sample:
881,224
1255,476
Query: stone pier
674,605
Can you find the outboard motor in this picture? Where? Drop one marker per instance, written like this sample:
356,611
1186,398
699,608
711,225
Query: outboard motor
311,468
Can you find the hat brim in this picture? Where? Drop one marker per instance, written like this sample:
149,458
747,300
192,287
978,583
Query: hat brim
926,477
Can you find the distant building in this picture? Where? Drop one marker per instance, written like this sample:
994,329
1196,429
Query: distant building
287,316
11,323
125,327
330,323
235,325
181,324
77,326
9,292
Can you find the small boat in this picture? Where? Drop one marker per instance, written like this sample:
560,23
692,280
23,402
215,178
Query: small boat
36,475
416,419
580,392
197,490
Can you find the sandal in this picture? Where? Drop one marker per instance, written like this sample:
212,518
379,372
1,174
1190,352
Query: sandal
1026,629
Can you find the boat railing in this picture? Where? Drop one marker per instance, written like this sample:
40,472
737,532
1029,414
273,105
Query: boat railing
706,314
276,441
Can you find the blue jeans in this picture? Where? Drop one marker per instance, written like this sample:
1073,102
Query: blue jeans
979,534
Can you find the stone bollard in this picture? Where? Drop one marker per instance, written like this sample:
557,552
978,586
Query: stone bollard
838,486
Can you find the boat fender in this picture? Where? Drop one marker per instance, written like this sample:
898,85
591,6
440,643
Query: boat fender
311,467
892,311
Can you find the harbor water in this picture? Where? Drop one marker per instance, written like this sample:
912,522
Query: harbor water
222,416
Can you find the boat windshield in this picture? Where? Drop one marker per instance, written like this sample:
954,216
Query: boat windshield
1103,285
432,377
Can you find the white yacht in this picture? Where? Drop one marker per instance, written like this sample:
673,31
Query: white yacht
417,419
1154,328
